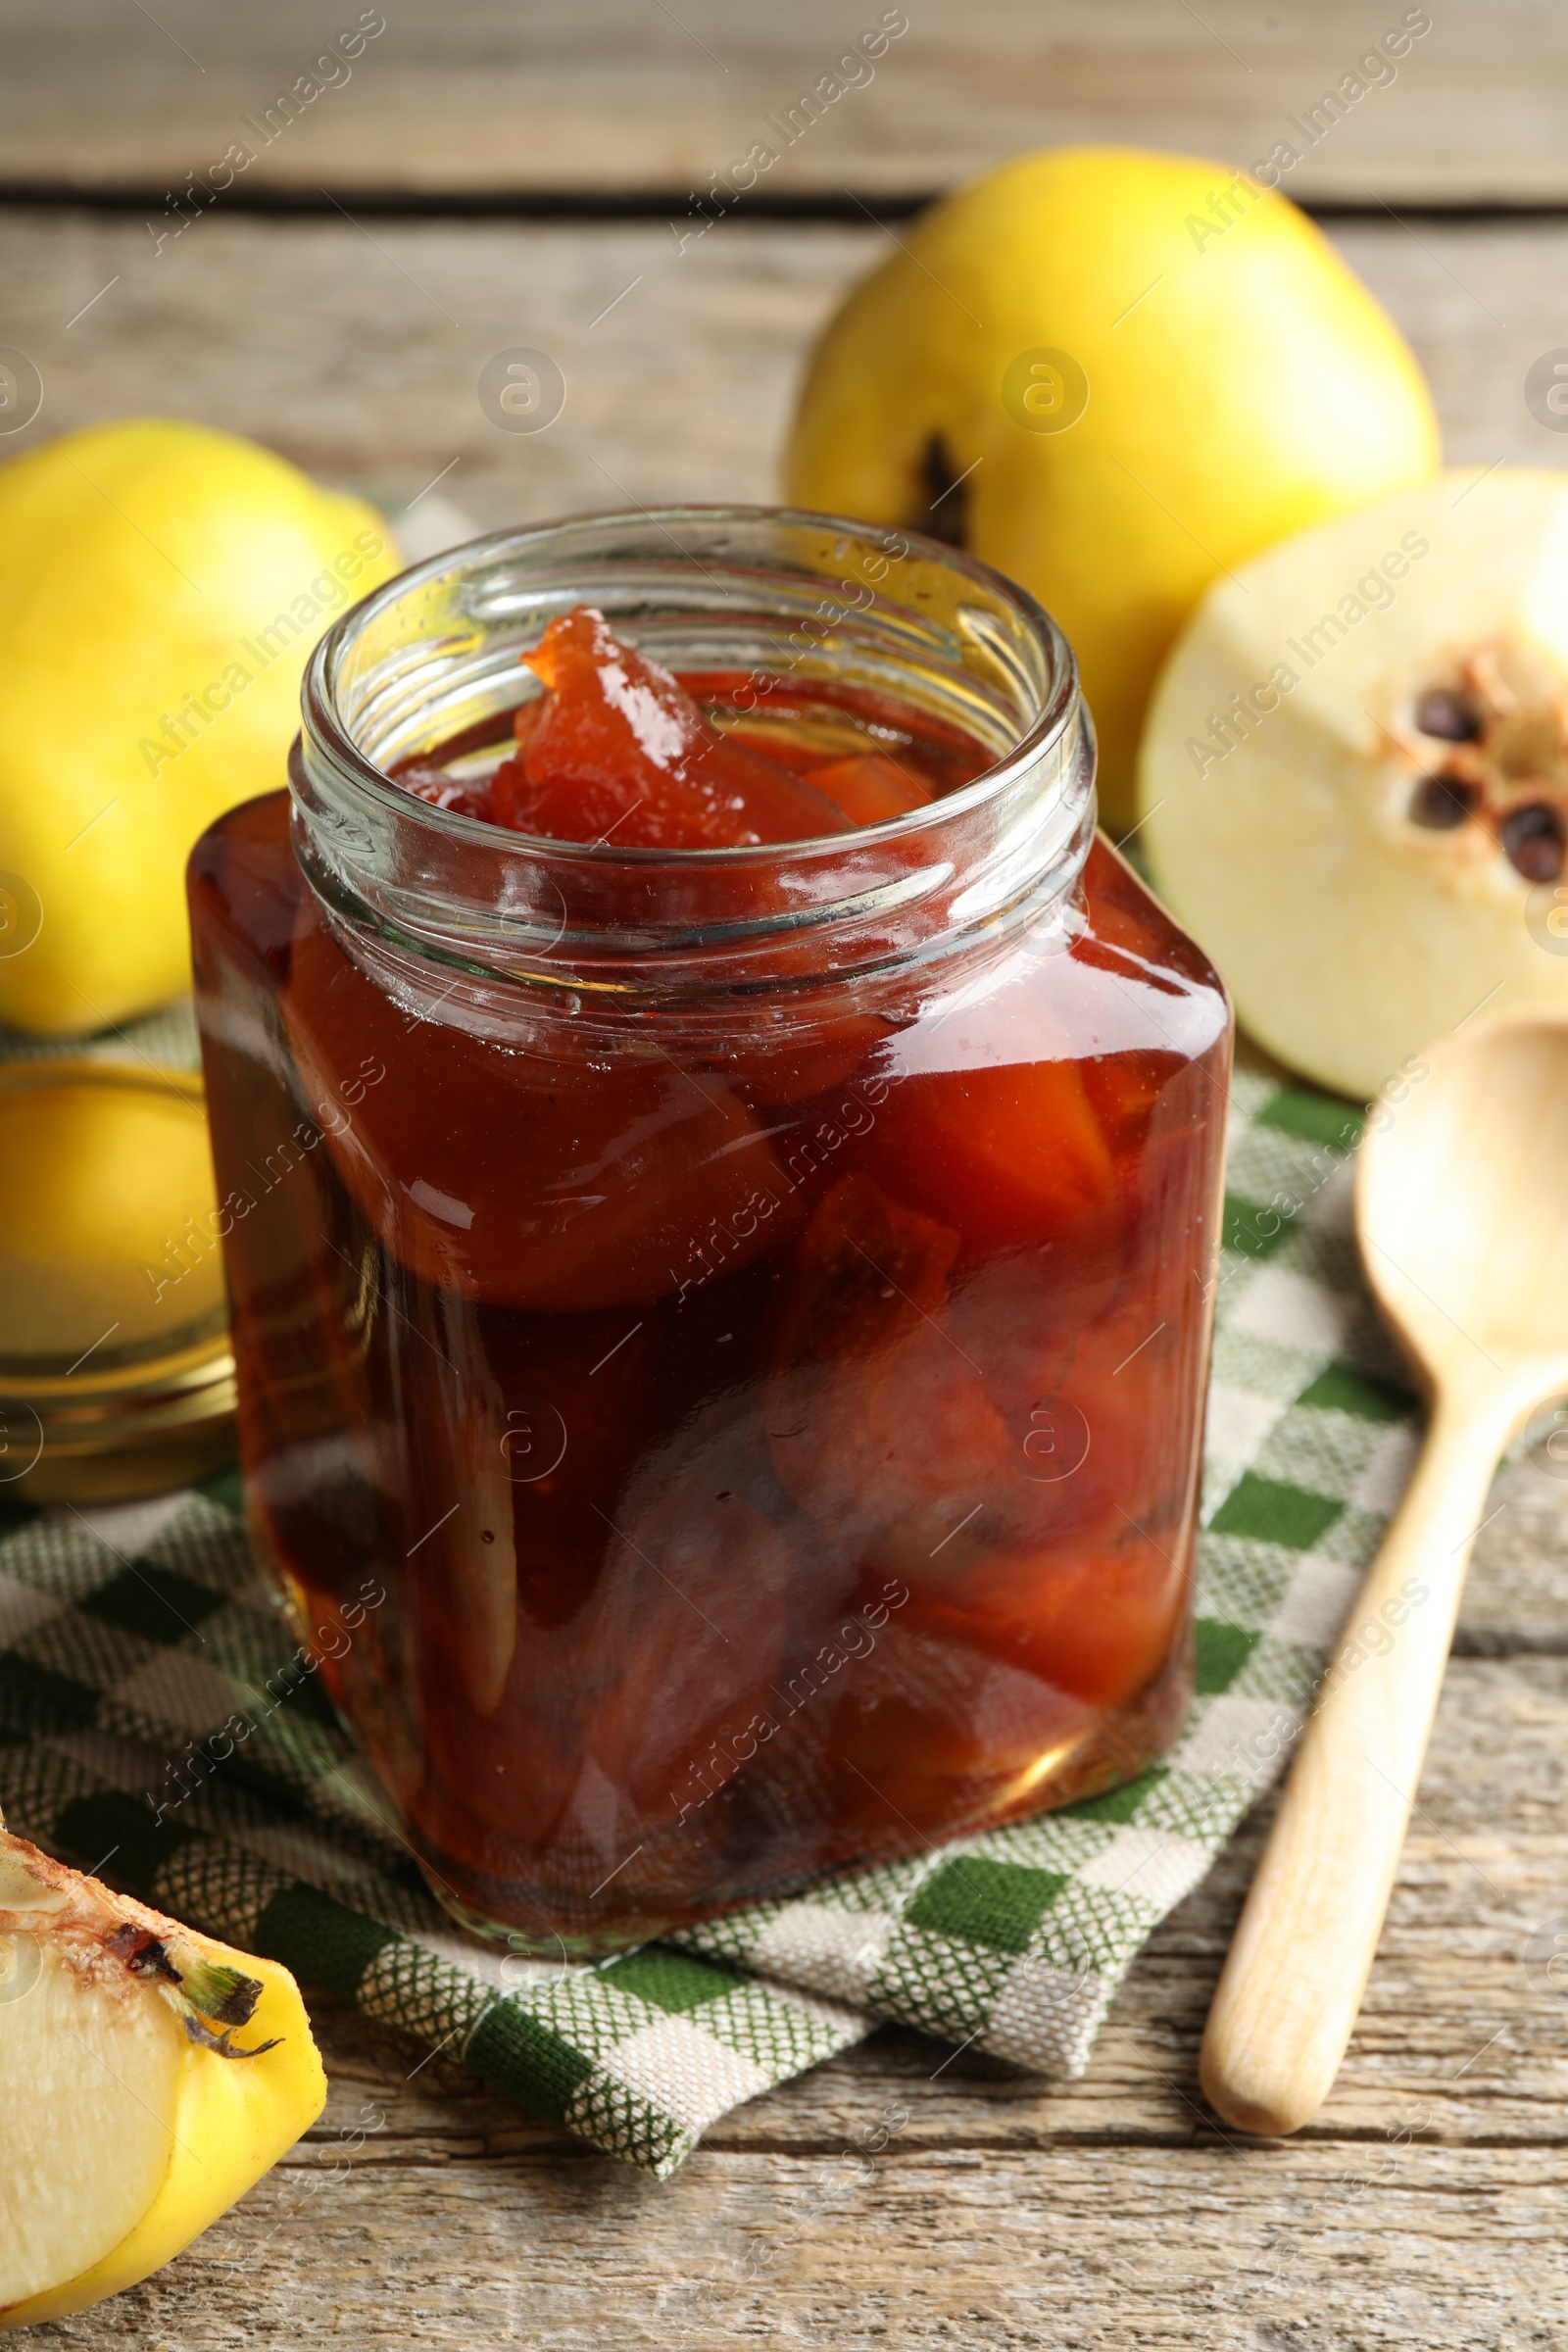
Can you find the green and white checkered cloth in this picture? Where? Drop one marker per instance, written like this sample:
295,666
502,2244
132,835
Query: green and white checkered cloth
130,1636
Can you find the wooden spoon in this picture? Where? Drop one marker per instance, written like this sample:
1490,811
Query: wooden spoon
1462,1216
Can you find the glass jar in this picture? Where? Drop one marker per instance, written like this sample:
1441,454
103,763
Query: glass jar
741,1316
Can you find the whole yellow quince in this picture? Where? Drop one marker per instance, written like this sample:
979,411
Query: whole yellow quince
1113,374
162,585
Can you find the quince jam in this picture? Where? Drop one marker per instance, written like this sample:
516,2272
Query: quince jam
776,1450
615,749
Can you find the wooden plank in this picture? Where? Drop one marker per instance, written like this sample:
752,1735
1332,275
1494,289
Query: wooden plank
1423,2207
1153,2247
358,354
479,96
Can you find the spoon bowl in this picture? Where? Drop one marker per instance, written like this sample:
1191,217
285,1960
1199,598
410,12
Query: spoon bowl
1462,1217
1462,1210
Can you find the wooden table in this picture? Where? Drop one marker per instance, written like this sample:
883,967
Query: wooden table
497,179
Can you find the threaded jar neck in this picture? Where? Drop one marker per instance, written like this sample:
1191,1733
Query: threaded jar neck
773,594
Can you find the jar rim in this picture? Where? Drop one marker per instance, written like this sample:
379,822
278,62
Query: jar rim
441,641
319,699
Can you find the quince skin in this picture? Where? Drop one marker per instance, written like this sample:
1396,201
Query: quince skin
162,589
1113,374
148,2076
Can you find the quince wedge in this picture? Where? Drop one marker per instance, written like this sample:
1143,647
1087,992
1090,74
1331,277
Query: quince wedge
148,2078
164,584
1113,374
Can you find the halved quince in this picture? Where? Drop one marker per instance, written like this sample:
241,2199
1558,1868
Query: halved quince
1355,773
148,2076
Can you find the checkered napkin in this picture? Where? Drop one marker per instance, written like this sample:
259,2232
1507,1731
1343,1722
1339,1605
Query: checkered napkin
135,1643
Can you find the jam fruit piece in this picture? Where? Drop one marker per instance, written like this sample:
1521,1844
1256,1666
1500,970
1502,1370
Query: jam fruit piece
620,752
1125,1091
443,790
462,1435
806,1057
880,1424
579,1187
815,724
887,1432
1011,1155
1097,1622
866,1265
694,1599
870,788
633,1703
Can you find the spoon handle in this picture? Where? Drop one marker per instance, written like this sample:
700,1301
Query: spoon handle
1293,1982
